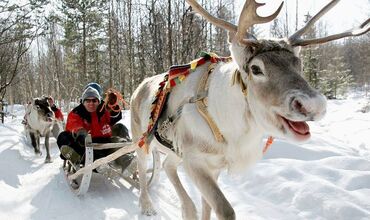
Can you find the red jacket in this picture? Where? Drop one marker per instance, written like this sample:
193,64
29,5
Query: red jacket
58,114
97,124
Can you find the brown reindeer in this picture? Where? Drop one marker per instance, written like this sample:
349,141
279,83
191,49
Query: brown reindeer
260,92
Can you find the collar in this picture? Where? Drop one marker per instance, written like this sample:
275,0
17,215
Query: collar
237,79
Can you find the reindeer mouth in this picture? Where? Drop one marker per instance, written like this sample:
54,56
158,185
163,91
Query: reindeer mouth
299,129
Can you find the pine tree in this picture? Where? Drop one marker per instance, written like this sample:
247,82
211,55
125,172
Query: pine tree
311,59
337,78
84,36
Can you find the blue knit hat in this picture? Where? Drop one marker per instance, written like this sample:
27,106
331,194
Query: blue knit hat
90,92
95,86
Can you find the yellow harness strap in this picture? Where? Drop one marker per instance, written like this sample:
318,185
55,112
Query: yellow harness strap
202,104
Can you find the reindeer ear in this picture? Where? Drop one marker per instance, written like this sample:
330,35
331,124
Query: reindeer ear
241,54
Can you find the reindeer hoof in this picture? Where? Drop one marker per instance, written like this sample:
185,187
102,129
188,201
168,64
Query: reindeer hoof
147,209
149,212
37,152
48,160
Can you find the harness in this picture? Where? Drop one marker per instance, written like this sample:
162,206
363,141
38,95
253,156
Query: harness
175,76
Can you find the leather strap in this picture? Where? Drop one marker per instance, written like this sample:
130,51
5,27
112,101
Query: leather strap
202,103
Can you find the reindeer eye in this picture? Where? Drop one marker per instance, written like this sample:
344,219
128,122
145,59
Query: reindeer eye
256,70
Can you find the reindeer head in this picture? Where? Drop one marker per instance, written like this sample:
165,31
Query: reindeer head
42,107
279,98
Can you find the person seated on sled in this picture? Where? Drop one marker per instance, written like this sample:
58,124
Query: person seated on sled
90,117
111,99
115,113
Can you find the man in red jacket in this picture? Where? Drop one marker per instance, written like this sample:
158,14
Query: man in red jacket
89,117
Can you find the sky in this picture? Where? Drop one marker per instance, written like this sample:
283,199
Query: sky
345,15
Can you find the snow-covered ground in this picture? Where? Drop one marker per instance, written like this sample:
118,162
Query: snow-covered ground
325,178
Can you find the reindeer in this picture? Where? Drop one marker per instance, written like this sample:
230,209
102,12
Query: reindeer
39,122
268,97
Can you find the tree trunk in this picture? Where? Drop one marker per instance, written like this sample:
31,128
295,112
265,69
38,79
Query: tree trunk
110,44
169,34
84,51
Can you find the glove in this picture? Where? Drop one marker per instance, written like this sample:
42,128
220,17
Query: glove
80,137
112,98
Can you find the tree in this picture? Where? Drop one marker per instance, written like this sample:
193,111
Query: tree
337,78
18,27
311,58
84,35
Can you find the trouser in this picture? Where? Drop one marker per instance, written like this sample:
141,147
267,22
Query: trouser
66,138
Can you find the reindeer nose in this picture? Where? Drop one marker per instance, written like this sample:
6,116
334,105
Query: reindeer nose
49,114
298,107
313,108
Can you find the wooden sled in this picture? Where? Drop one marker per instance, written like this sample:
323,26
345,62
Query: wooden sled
79,177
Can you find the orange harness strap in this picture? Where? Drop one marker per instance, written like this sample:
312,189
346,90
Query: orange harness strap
269,141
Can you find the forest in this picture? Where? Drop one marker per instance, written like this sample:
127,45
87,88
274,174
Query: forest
55,48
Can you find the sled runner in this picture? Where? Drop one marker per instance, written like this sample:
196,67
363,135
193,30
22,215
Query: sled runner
79,176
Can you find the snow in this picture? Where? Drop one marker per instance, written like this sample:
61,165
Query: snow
326,178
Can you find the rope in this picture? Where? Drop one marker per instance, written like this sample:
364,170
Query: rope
118,99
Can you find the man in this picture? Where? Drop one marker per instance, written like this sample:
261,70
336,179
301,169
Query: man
90,117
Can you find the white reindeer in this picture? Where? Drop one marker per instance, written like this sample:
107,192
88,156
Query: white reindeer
270,97
39,123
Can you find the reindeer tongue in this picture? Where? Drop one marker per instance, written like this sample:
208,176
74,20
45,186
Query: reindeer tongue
300,127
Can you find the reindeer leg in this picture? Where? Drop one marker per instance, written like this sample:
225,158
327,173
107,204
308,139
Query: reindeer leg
188,208
206,208
34,143
48,158
38,141
207,185
145,201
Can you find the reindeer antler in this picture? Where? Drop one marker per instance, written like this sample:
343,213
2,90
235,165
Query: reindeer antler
296,40
247,19
216,21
